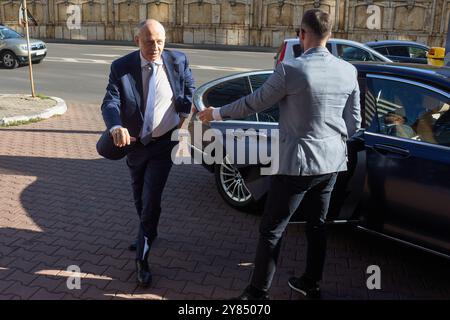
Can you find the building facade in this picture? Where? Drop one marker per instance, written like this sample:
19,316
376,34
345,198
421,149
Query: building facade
233,22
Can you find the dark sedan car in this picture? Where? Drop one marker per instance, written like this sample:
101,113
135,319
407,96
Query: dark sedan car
398,182
401,51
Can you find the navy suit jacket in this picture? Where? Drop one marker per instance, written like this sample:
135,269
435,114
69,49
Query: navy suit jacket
124,103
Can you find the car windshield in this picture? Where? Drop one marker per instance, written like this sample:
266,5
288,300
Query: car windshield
9,34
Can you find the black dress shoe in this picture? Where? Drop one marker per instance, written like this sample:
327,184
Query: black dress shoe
303,285
252,293
143,274
133,245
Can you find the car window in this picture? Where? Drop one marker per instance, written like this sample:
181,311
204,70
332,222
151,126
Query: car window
273,113
416,52
9,34
297,50
382,50
400,51
409,111
270,115
257,80
351,53
227,92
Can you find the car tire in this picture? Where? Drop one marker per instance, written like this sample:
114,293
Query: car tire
232,186
9,60
37,61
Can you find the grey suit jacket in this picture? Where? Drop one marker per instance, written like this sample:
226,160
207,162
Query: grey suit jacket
318,95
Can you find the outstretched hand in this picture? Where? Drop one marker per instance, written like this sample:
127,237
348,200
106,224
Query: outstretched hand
206,115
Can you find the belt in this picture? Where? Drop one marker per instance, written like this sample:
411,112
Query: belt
149,139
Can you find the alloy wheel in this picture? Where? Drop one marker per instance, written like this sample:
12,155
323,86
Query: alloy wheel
233,183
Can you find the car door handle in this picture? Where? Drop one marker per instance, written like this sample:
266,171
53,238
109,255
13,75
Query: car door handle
391,150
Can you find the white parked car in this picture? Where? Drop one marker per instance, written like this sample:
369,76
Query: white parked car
345,49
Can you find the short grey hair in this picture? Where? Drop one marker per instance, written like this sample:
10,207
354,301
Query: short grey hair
143,23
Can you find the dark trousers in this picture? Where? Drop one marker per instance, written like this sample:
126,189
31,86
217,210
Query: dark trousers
149,167
284,197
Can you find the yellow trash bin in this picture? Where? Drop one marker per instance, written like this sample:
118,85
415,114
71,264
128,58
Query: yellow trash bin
435,56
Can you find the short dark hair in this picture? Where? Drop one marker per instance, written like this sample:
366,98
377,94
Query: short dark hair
317,21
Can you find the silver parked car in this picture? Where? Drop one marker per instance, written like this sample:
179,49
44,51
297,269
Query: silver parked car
14,51
345,49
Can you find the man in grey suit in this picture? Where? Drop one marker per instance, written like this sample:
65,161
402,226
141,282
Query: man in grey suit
318,95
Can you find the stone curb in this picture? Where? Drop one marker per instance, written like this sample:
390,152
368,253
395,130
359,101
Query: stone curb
58,109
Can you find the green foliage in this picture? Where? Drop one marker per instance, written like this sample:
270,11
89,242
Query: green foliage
42,96
21,122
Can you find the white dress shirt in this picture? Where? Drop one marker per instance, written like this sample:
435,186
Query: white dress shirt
216,114
165,116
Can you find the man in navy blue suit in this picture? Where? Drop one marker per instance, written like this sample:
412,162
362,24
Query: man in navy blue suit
148,95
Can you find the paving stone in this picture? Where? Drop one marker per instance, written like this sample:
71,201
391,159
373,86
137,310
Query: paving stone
24,292
61,204
24,278
43,294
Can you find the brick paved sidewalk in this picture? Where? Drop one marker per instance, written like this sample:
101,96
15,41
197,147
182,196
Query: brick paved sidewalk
61,205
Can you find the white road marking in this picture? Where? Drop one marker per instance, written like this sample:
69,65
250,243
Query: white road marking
77,60
102,55
97,61
126,48
97,45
